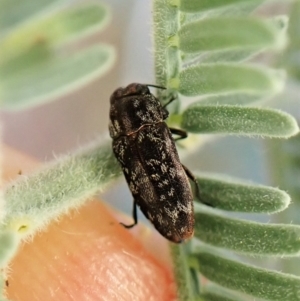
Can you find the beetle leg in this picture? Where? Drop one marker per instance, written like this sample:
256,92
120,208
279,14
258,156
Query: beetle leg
171,100
182,134
194,179
134,216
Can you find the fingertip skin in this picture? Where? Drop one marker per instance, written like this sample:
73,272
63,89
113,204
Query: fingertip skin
86,255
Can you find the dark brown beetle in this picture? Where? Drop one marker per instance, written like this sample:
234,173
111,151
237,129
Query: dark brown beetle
145,148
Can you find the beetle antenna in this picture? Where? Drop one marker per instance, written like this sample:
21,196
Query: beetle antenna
155,86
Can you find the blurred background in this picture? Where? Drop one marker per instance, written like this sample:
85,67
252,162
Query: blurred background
65,124
61,126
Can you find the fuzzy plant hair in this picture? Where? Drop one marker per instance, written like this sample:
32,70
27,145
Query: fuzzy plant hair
207,54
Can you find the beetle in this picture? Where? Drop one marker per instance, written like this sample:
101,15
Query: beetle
145,148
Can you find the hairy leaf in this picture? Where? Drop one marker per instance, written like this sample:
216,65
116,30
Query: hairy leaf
33,202
238,120
227,194
225,78
224,32
246,236
54,77
195,5
248,279
14,12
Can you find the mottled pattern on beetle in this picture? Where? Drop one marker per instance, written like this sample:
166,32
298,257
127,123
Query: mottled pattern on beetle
128,114
157,180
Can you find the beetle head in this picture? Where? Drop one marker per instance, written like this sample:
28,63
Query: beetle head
130,90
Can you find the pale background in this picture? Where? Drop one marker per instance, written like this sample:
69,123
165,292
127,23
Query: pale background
64,125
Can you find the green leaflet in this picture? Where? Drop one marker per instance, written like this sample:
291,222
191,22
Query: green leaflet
239,120
55,77
8,247
200,50
248,279
226,32
35,67
225,78
213,292
53,29
246,236
230,99
14,12
33,202
195,6
225,193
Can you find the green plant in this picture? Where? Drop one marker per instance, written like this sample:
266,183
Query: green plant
209,54
202,48
34,40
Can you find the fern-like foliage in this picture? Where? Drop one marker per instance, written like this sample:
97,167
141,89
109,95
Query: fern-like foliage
33,55
37,66
208,49
203,49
